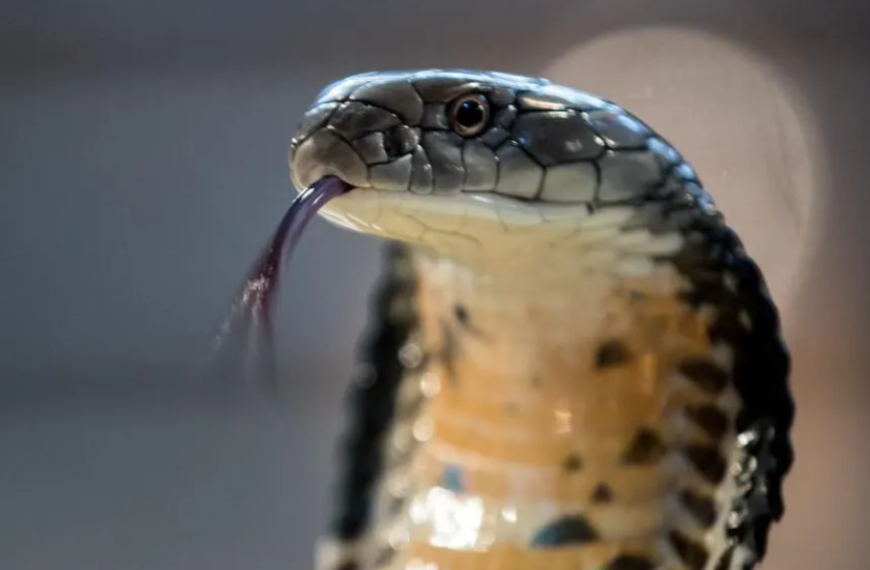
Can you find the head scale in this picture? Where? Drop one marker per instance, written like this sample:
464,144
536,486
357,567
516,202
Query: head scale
449,132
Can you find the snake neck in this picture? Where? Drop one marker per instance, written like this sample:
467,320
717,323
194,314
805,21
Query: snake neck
546,391
477,308
513,315
578,386
561,349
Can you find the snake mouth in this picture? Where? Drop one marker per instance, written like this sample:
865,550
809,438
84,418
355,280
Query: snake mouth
464,225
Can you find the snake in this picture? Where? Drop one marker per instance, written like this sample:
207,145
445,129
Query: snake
571,360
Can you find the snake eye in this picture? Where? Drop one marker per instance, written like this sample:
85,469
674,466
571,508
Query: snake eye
469,114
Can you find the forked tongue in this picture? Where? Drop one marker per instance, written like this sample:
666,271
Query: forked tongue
254,305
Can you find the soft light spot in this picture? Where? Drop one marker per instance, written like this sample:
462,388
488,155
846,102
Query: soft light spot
563,421
456,521
411,355
680,81
423,429
430,384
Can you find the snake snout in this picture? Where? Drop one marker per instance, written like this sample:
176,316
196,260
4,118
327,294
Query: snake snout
325,153
363,144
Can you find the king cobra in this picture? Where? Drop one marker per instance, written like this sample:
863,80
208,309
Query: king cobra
572,362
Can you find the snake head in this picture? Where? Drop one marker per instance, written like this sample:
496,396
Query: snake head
452,144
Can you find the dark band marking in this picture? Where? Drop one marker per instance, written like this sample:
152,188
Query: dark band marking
635,295
690,552
630,562
385,556
645,449
395,504
572,463
602,493
612,353
461,314
707,375
349,565
708,461
568,531
761,367
449,352
709,418
463,317
725,561
702,508
372,402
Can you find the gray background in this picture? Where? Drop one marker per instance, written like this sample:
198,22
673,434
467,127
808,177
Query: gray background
143,167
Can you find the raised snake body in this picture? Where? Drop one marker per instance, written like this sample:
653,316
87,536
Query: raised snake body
572,362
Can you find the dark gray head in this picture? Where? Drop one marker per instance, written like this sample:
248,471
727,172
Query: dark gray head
445,132
465,136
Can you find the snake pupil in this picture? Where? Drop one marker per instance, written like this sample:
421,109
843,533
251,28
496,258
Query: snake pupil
469,114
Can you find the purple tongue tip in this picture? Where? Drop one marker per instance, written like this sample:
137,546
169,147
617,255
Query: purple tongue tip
264,276
263,279
257,297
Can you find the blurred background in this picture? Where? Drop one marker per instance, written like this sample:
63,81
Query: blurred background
143,167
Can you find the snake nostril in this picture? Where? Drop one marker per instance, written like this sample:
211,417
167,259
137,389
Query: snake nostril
392,147
399,141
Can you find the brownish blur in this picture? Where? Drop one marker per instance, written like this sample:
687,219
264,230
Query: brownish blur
144,165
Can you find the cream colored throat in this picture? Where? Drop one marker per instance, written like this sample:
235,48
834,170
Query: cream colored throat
510,235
